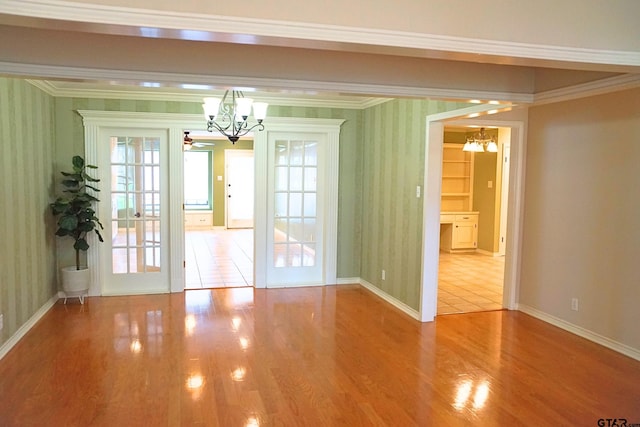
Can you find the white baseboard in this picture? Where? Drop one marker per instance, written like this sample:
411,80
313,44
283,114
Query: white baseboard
580,331
22,331
391,300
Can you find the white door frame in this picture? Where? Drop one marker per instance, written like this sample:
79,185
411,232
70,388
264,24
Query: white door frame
174,124
330,127
431,207
505,153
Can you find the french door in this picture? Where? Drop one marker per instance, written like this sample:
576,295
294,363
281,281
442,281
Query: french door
133,208
295,226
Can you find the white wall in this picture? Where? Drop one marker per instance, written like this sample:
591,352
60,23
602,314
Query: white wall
581,236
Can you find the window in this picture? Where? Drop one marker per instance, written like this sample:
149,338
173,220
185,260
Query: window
197,180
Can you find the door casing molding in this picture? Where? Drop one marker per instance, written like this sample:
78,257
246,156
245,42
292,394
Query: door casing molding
329,127
432,192
175,124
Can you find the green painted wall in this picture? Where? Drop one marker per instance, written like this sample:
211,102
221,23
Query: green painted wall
484,198
70,138
27,252
393,155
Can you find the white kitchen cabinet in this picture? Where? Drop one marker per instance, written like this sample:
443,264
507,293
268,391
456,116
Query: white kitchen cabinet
199,219
459,231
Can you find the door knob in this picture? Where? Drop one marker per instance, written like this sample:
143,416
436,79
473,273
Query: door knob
137,215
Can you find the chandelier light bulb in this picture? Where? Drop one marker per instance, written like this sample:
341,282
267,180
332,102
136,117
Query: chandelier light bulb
230,118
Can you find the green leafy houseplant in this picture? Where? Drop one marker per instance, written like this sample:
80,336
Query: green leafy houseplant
76,215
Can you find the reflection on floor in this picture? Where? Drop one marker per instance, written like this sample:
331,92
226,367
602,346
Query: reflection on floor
469,282
218,258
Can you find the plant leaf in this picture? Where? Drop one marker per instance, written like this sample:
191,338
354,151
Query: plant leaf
81,244
78,162
68,222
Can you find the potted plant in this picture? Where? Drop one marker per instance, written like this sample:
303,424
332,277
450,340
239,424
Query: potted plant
76,218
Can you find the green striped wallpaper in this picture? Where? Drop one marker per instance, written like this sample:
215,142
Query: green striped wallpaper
393,156
70,140
27,252
379,218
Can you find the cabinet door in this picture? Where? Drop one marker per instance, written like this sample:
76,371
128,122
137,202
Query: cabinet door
465,235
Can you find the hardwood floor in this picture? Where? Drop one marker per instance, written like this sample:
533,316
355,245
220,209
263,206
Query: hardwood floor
333,356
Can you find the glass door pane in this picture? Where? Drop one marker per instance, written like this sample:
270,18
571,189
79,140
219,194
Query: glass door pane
295,200
135,204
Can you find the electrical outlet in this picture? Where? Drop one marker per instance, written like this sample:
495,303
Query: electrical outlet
574,304
1,321
418,191
384,275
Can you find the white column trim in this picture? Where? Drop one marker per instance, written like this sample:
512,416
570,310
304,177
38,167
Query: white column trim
331,207
260,158
91,131
176,211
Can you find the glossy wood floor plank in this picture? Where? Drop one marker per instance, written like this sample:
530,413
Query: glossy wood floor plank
294,357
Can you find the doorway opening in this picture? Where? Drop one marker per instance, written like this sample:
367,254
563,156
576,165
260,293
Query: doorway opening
474,200
472,222
219,200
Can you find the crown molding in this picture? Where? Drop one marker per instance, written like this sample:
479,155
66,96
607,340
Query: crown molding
154,23
598,87
382,91
134,93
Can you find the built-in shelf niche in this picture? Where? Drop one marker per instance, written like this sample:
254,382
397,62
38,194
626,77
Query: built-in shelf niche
457,179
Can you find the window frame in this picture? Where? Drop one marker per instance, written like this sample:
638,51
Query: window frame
209,206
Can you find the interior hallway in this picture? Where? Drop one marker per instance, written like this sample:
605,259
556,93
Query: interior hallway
218,258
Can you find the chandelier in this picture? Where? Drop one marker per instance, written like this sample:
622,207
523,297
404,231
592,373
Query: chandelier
480,142
229,117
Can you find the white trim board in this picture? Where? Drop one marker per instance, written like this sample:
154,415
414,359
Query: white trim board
580,331
389,299
26,326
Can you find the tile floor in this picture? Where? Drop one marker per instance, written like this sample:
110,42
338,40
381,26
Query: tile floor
218,258
469,282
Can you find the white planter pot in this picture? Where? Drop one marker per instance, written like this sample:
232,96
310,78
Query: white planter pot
75,282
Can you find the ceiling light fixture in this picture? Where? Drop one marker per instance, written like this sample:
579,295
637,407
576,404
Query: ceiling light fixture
230,117
480,142
189,143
